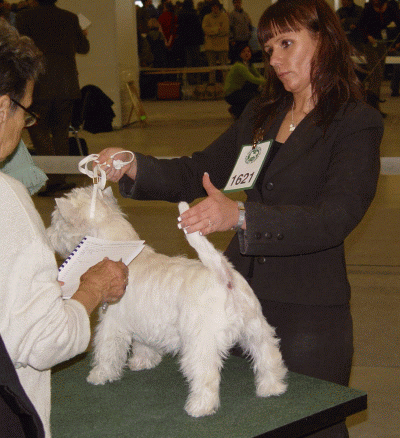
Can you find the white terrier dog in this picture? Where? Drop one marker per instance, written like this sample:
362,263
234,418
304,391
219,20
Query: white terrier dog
197,309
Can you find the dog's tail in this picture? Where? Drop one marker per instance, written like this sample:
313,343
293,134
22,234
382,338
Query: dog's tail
209,256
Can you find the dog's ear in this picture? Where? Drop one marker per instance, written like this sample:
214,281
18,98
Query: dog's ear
65,209
108,192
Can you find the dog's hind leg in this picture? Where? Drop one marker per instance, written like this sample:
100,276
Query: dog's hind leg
111,346
202,356
259,341
202,366
143,357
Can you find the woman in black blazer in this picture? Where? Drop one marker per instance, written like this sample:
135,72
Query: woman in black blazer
317,182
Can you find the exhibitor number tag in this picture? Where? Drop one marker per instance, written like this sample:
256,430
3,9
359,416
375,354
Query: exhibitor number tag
248,167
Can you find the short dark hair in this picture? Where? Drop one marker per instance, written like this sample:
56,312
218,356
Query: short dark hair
188,4
20,61
46,2
216,3
237,50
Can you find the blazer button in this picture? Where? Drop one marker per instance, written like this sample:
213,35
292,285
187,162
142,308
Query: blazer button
270,186
258,235
268,235
279,236
262,260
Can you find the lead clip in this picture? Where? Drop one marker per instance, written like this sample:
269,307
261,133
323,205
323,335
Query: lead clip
258,137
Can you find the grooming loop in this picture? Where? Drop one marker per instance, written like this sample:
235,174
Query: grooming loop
98,174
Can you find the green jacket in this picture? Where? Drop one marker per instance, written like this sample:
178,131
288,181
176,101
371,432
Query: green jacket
238,75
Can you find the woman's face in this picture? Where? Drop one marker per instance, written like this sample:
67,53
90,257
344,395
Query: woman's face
245,54
12,122
290,56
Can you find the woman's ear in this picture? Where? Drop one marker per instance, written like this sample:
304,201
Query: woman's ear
5,103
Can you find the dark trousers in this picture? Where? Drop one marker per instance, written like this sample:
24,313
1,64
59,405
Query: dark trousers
193,59
50,135
240,98
375,66
395,81
316,341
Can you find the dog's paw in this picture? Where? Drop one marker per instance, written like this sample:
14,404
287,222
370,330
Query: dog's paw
97,376
199,407
267,388
138,363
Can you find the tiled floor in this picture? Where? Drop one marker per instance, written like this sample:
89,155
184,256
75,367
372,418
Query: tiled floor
373,249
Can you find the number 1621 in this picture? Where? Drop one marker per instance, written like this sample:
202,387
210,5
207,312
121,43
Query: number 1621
241,179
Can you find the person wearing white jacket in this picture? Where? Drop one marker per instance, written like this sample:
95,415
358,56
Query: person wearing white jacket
38,327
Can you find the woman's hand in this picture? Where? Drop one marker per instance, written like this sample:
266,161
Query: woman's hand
215,213
102,283
106,161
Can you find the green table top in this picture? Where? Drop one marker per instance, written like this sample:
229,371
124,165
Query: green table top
150,404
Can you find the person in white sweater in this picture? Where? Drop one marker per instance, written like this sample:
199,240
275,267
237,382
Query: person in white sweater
216,37
38,327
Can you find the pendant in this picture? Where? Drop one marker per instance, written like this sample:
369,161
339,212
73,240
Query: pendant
292,127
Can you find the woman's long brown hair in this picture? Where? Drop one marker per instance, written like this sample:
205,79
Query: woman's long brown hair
333,78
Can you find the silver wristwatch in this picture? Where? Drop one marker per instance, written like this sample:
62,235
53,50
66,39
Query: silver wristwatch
242,215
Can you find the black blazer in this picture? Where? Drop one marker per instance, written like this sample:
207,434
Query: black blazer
314,193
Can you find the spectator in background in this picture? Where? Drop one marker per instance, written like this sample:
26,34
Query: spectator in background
216,30
169,27
374,22
240,26
150,9
349,15
157,43
190,35
57,34
142,20
5,8
204,8
20,6
178,7
243,81
395,80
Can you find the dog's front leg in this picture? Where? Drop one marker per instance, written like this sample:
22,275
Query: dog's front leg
111,346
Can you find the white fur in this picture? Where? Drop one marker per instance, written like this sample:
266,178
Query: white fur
197,309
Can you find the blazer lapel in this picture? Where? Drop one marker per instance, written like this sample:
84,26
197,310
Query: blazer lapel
303,138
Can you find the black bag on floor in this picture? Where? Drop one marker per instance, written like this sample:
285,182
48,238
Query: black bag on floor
94,110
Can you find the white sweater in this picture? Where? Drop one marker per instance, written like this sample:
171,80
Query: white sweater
39,329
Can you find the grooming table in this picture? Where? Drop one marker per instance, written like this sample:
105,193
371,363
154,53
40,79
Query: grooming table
150,404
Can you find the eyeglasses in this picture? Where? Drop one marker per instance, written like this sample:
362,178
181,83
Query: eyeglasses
30,117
